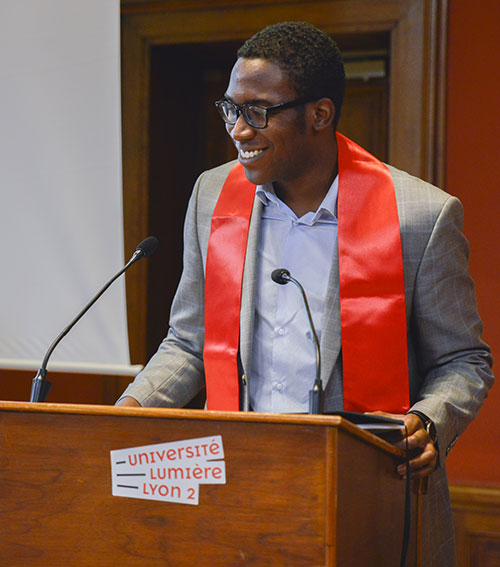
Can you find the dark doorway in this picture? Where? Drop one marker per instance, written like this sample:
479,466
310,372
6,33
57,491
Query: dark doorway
186,137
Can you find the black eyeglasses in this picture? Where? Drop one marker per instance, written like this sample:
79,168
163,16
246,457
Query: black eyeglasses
254,115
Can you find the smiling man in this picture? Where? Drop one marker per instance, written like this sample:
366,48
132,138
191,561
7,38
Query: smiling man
380,254
283,138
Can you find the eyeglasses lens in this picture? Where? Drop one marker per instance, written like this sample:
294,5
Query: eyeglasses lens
254,115
230,112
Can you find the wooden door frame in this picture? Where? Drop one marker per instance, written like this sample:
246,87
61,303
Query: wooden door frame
416,129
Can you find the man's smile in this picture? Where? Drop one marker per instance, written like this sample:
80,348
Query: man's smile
248,155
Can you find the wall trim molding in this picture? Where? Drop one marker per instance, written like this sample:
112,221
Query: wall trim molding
464,497
417,93
476,513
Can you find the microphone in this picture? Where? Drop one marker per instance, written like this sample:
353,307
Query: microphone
282,276
41,386
145,248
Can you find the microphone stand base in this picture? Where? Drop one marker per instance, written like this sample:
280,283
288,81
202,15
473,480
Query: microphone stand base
316,400
40,388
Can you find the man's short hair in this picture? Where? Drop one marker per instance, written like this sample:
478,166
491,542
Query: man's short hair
308,55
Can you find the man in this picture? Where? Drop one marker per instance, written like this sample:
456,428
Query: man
380,254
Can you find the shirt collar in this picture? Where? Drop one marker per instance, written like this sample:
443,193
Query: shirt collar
327,208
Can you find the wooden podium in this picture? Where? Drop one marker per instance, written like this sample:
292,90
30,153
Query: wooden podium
300,491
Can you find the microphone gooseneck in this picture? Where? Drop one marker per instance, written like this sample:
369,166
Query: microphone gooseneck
41,386
282,276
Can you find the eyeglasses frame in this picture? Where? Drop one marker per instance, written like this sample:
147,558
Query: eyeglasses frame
241,109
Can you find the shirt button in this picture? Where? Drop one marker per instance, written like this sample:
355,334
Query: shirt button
279,386
281,331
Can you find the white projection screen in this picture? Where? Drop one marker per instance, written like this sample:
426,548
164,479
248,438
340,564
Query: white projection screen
61,224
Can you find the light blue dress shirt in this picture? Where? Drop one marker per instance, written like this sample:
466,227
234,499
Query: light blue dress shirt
284,356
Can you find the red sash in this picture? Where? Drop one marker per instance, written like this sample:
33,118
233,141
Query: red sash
372,301
224,275
372,293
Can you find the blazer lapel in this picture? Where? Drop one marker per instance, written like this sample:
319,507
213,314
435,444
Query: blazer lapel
330,325
247,314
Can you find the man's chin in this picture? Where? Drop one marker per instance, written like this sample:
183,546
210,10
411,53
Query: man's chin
257,177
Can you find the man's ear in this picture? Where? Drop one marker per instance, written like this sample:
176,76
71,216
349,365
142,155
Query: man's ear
323,113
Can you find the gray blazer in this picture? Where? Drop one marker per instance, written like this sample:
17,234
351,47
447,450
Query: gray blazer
449,364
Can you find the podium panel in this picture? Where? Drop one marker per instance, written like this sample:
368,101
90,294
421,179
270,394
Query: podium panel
299,491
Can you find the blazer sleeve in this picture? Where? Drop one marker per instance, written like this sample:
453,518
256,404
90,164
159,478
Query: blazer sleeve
452,358
174,375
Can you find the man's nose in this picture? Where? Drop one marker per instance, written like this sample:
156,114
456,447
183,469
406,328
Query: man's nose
241,131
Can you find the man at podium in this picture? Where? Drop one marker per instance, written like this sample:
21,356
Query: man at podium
380,254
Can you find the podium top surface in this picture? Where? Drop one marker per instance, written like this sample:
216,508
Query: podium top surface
328,421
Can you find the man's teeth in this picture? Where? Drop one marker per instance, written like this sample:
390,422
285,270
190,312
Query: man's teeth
248,155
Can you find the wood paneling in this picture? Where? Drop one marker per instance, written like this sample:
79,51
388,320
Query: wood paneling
15,385
416,54
364,116
476,513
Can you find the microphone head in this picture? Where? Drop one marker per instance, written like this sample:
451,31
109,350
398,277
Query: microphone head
148,246
280,276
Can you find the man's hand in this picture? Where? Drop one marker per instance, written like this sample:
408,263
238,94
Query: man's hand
425,461
129,402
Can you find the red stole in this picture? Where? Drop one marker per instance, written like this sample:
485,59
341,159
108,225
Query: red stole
224,276
372,293
372,301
